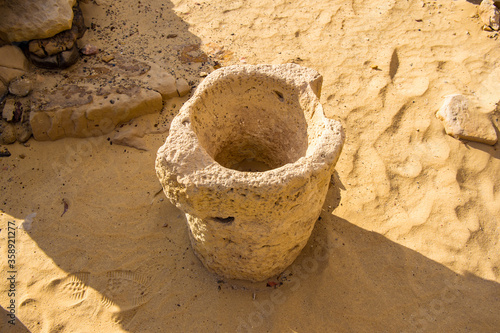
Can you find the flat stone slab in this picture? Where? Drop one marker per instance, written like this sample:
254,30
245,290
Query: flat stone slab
92,98
84,111
460,121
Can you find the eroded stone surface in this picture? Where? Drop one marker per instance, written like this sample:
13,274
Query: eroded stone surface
90,99
3,90
14,124
13,63
20,87
182,87
64,59
94,112
60,50
489,14
12,57
96,97
89,49
9,74
24,20
249,159
7,133
462,122
162,82
8,109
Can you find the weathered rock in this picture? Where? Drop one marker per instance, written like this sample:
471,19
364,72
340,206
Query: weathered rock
13,63
78,22
60,42
16,112
107,57
35,47
9,74
4,152
249,160
61,60
3,90
7,133
24,20
23,131
92,98
463,123
46,47
89,49
8,109
90,112
162,82
183,87
68,57
129,137
59,51
489,14
45,62
12,57
20,87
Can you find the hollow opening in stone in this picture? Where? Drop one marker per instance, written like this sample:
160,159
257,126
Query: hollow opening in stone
251,122
225,220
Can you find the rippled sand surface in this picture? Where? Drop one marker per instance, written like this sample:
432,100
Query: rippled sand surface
409,238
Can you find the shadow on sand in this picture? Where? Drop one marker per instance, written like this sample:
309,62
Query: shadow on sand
144,273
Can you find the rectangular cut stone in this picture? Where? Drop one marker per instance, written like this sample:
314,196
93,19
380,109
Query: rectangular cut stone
98,117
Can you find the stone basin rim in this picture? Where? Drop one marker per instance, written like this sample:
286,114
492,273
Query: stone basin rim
323,155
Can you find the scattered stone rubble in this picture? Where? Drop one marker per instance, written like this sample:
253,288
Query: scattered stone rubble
98,96
61,50
15,112
89,99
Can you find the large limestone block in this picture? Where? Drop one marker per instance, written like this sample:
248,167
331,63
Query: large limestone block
90,112
24,20
249,159
462,122
95,96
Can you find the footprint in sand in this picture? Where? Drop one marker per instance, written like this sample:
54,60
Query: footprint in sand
72,289
126,290
124,318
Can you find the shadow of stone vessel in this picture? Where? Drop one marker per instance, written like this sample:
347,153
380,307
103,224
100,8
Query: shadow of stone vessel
249,159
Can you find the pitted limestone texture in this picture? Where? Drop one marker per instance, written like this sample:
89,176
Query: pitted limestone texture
249,159
24,20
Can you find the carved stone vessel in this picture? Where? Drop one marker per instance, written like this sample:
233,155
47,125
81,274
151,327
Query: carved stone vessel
249,159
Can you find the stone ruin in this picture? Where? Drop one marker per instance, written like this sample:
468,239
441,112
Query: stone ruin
249,160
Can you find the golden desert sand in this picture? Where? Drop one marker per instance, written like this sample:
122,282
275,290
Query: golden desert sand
409,235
